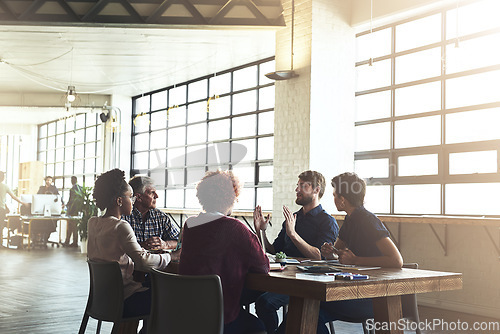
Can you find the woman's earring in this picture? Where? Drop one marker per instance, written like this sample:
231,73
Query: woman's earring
120,204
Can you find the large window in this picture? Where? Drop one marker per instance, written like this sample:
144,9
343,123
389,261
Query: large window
428,112
224,120
71,146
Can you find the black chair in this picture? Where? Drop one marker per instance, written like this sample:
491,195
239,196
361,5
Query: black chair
105,301
408,306
176,298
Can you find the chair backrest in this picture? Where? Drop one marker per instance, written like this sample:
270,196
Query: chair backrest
186,304
409,302
106,291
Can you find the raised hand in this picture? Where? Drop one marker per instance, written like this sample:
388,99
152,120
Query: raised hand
260,223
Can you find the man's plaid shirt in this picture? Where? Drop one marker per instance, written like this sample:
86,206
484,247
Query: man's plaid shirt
157,224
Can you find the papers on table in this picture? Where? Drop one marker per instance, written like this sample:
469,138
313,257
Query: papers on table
315,277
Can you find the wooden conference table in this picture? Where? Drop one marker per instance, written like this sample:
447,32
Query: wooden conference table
385,286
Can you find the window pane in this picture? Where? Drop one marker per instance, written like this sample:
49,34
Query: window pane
464,199
409,99
197,133
378,199
176,136
176,116
220,84
243,150
90,134
157,159
473,162
79,152
90,150
265,68
194,174
425,164
246,174
219,153
473,125
60,140
373,45
141,160
141,142
471,54
68,153
142,105
479,16
43,129
159,120
197,112
266,122
220,107
417,33
244,102
245,78
176,157
266,98
472,89
177,95
266,148
417,199
373,137
422,131
378,75
89,165
60,126
373,106
218,130
78,167
175,198
245,200
80,122
265,173
372,168
175,177
244,126
159,100
197,90
141,123
265,198
158,139
196,155
191,199
160,201
419,65
51,142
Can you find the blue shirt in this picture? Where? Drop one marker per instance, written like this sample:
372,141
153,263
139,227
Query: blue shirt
315,227
361,231
157,224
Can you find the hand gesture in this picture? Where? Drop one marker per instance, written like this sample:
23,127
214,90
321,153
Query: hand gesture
290,219
260,223
346,256
328,251
153,243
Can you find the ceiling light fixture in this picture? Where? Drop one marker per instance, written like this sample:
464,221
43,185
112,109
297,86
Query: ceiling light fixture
286,74
71,94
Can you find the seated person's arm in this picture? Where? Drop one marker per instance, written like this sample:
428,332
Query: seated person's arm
328,250
391,258
307,250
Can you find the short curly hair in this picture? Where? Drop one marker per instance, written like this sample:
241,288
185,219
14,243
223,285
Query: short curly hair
351,187
108,187
218,190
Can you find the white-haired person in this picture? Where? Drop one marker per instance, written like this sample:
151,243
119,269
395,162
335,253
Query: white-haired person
214,243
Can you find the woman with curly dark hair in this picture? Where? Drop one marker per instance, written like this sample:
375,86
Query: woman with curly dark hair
213,243
112,239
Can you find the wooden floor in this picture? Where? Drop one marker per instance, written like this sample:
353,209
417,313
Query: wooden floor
45,291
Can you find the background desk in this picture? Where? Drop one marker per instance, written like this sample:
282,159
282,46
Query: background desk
385,286
30,219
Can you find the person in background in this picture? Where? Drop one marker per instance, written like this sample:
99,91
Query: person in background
363,241
112,239
301,235
72,210
152,227
4,209
42,229
214,243
48,188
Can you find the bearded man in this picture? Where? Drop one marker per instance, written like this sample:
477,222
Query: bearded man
302,235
